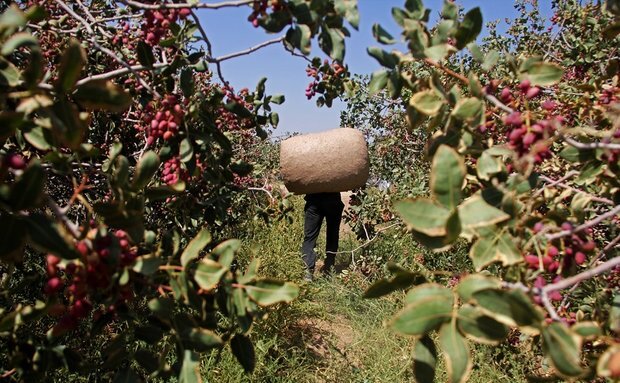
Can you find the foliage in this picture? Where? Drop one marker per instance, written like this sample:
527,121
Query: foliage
124,167
520,133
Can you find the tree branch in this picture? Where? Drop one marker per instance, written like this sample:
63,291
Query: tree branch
224,4
246,51
591,145
585,225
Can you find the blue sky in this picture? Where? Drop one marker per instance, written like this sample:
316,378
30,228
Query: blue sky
230,32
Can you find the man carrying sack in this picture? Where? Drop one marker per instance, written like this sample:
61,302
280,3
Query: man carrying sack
321,165
319,206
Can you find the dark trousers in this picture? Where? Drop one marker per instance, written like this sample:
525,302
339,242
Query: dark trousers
319,206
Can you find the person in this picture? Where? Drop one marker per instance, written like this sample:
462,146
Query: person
321,206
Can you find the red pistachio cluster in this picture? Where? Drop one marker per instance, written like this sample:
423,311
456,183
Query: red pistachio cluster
322,76
575,250
259,9
80,280
163,120
173,172
157,23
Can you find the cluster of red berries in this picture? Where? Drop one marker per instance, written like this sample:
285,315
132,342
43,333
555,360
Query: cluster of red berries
259,9
575,249
157,23
322,76
529,139
165,120
83,279
123,35
525,89
228,121
173,172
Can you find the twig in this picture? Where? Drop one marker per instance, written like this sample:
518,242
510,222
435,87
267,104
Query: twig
608,247
568,187
108,52
568,282
465,80
368,242
585,225
224,4
592,145
263,189
72,227
554,182
246,51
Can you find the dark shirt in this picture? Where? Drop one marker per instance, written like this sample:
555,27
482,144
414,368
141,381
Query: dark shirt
322,197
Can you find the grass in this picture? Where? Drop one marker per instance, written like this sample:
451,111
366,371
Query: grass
331,333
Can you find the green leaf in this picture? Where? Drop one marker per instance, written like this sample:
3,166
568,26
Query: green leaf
266,292
9,74
564,348
447,175
44,237
386,59
102,95
427,102
469,110
587,330
428,306
456,353
243,350
71,65
300,37
9,122
348,9
274,119
499,246
490,60
381,35
187,82
18,40
186,150
204,339
190,371
439,52
27,191
401,279
424,360
614,313
488,165
480,327
331,41
162,307
424,216
145,54
544,73
195,246
277,99
572,154
378,81
475,282
145,170
450,10
208,274
469,28
67,125
474,212
512,308
12,238
225,251
147,264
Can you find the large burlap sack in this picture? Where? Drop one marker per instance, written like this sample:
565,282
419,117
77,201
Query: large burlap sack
331,161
